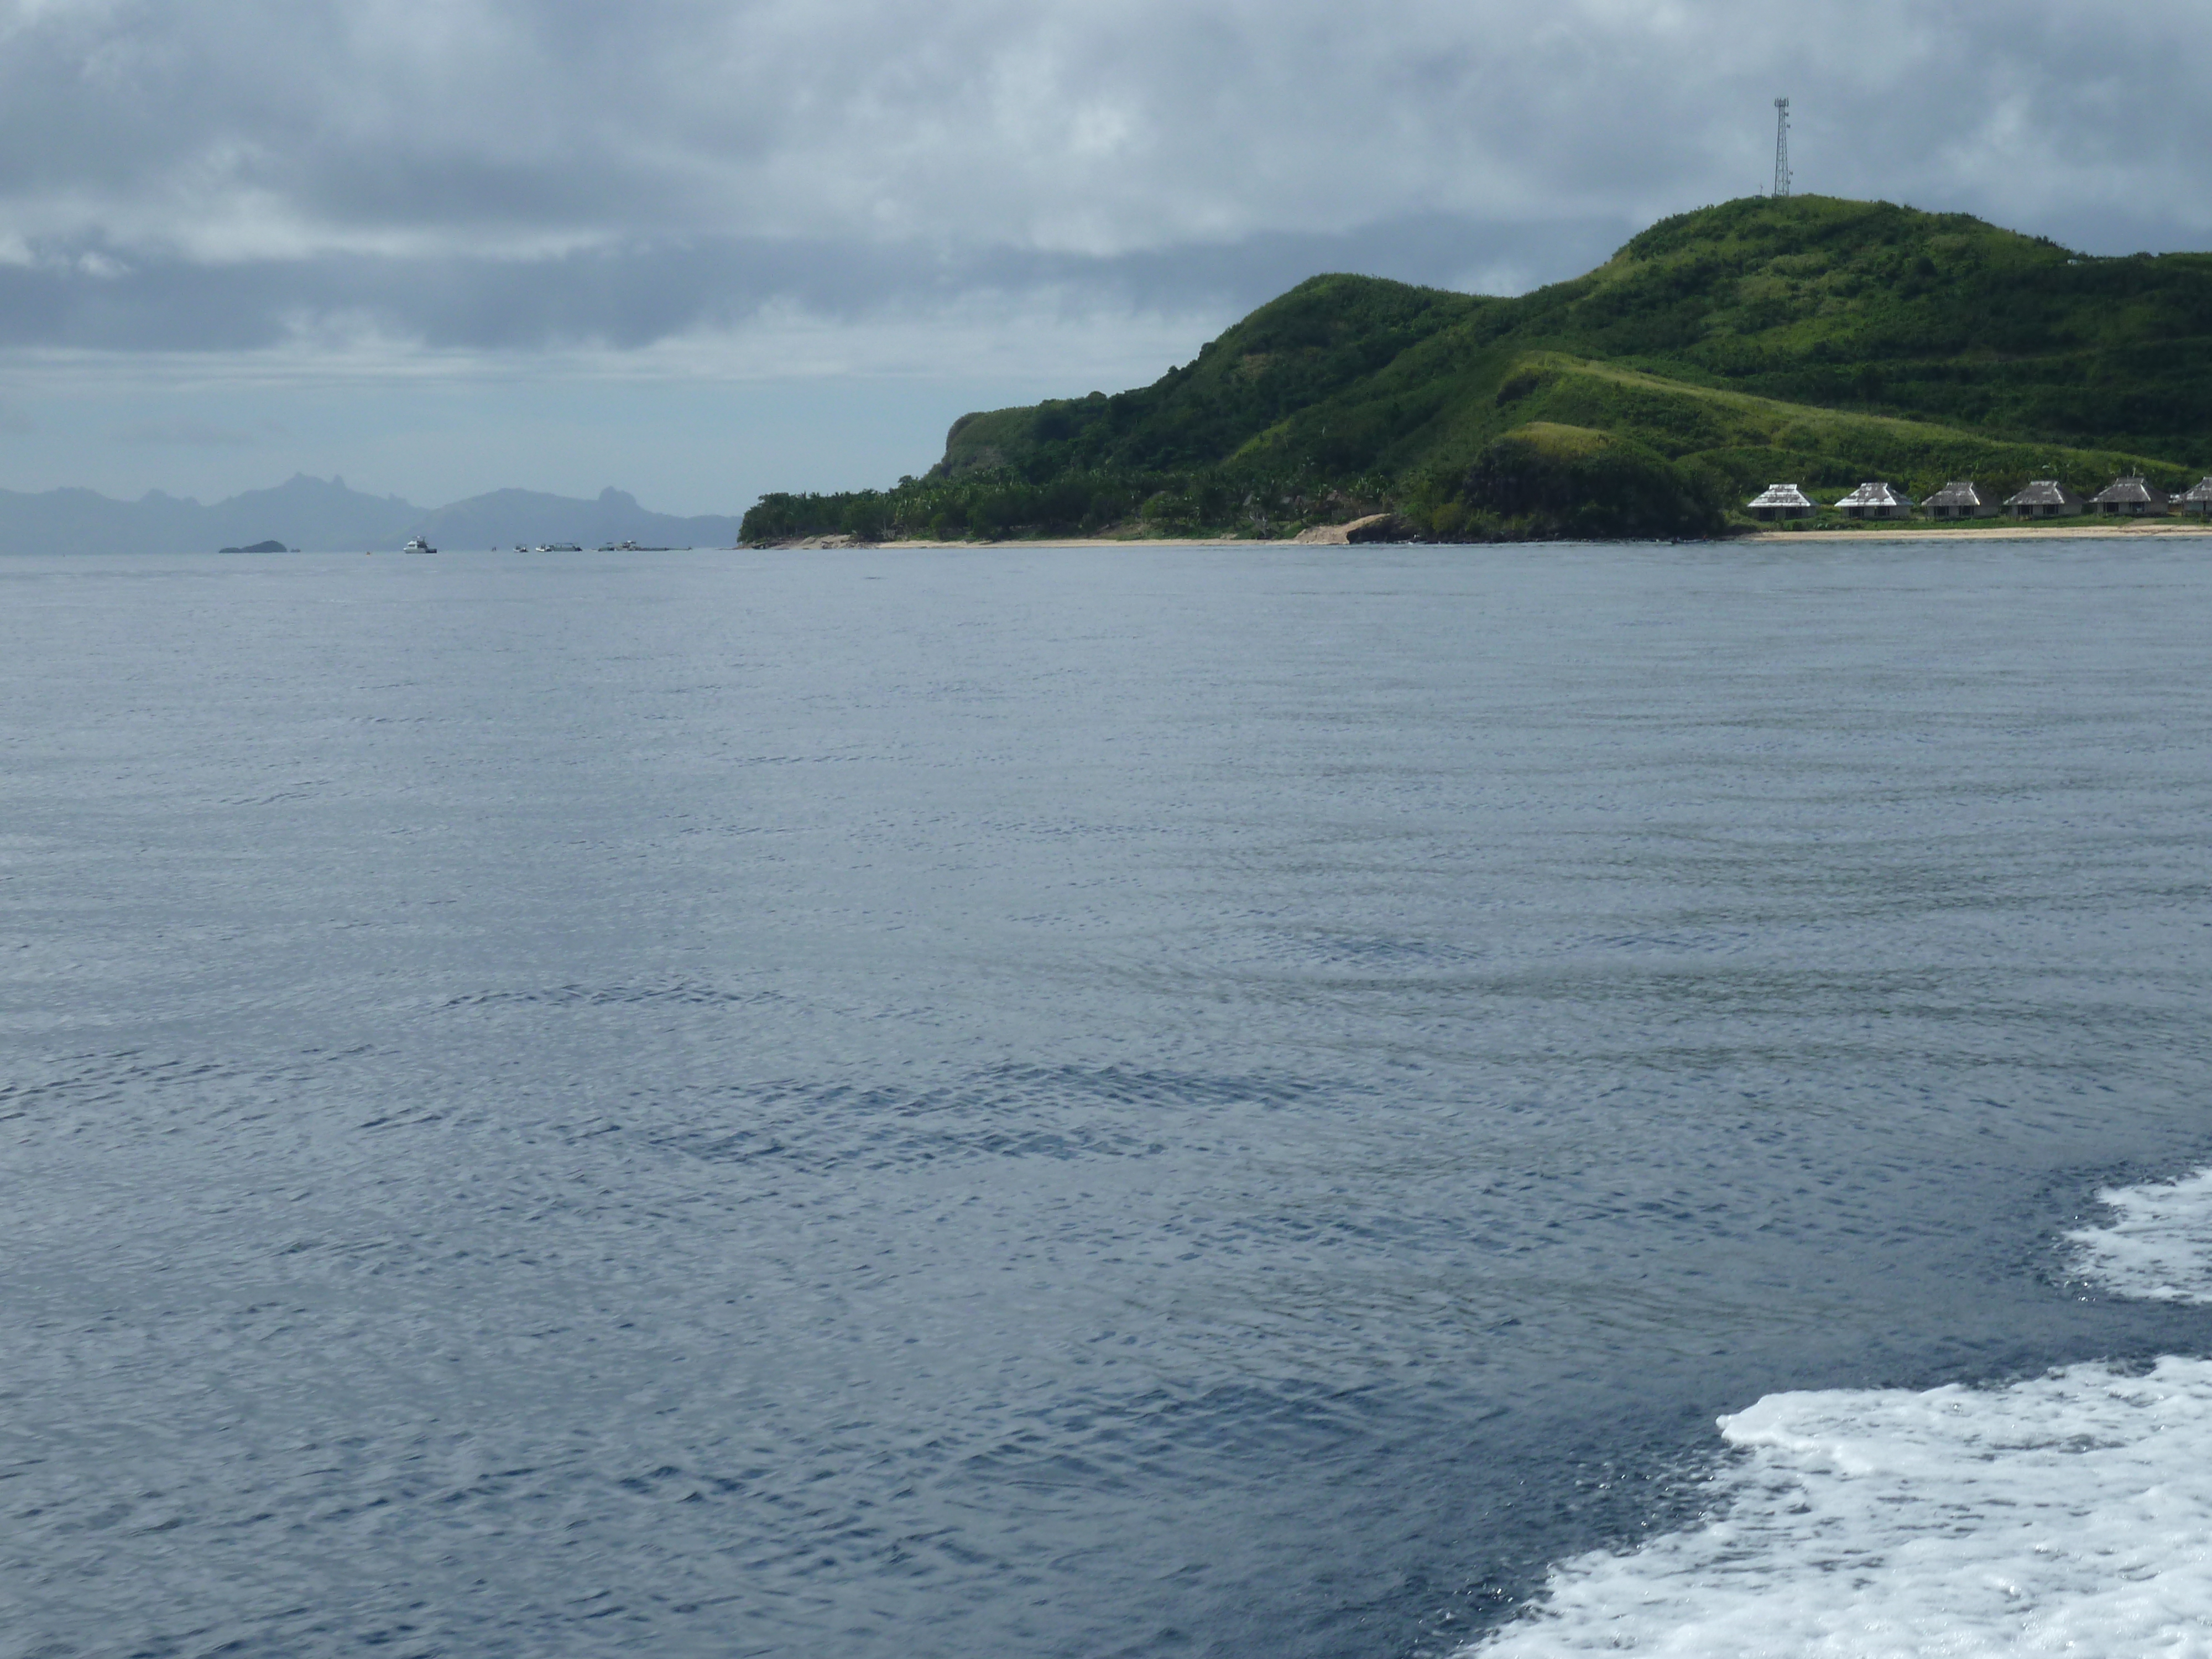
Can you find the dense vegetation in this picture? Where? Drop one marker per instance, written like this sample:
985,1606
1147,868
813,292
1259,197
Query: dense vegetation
1812,339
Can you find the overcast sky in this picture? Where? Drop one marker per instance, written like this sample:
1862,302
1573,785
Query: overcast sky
701,248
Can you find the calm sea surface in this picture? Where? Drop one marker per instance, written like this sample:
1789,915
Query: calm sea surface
892,1105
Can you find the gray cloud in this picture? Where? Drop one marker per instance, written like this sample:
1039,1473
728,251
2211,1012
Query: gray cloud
509,175
197,434
628,297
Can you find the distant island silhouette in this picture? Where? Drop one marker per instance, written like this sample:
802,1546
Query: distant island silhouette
323,515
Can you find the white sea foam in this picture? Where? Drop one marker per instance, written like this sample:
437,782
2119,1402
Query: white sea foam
2069,1514
2157,1245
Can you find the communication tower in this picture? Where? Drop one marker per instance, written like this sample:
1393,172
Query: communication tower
1781,147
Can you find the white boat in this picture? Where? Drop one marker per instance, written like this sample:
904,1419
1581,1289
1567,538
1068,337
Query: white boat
419,545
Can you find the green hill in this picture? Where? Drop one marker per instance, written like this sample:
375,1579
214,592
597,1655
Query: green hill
1804,338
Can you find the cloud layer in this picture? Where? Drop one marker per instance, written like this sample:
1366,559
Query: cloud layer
509,174
703,248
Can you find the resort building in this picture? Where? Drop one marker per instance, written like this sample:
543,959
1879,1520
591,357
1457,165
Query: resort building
1876,500
1961,498
2044,498
1786,500
2131,496
2197,497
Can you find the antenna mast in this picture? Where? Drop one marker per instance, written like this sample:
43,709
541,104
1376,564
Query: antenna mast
1781,147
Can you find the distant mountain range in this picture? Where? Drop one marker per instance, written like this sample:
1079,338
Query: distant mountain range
323,515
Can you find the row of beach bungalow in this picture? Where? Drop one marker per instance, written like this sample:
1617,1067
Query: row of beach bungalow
2044,498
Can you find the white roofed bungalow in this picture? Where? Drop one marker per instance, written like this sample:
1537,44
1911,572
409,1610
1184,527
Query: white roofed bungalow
1781,500
2133,496
1876,500
1961,498
2044,498
2197,497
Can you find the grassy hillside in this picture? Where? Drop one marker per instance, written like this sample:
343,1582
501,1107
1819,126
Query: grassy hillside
1811,340
1317,344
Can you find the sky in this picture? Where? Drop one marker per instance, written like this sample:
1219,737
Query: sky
700,249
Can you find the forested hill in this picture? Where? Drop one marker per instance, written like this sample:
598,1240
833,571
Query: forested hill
1807,338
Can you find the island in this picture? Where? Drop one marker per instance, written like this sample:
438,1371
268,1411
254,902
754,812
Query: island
258,547
1819,340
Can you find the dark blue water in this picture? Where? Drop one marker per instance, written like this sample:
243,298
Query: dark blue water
1031,1103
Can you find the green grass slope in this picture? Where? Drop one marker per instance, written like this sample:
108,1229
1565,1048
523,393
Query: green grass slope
1864,305
1315,344
1808,339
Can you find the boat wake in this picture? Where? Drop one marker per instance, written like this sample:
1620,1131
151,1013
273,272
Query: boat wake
2158,1247
2069,1513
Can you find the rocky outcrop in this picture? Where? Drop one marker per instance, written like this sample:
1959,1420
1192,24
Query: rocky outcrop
1374,527
810,543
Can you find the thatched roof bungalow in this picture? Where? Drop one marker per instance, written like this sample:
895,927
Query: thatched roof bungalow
1876,500
1961,498
2198,495
2132,496
1781,500
2044,498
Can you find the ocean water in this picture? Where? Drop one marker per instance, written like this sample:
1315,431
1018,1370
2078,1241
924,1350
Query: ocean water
2066,1513
1224,1102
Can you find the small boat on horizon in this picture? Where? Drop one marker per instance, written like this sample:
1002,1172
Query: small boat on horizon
419,545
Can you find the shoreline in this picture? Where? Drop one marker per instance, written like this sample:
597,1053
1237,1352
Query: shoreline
1985,530
1905,531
